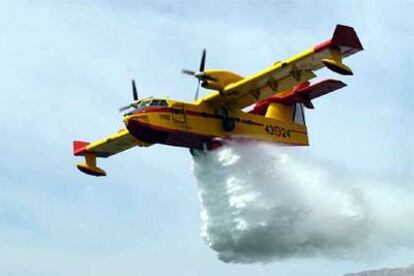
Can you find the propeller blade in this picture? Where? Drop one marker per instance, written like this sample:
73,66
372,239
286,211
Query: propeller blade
188,72
200,75
122,109
203,61
131,105
198,89
134,91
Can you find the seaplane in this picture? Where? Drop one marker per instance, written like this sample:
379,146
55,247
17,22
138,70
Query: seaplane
266,106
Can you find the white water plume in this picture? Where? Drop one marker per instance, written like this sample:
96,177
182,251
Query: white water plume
261,202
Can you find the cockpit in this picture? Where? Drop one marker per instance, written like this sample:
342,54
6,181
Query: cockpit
144,103
152,102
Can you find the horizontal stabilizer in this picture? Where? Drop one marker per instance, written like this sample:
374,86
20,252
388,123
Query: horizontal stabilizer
319,89
301,93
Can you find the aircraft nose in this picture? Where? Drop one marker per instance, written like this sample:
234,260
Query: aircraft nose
127,119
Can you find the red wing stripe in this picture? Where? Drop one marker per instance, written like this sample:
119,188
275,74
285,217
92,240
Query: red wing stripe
322,46
79,147
343,36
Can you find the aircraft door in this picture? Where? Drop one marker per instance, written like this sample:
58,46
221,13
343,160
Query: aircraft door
178,114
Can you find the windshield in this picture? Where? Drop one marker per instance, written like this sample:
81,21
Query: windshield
143,104
152,102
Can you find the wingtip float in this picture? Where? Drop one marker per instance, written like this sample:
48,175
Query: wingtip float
279,94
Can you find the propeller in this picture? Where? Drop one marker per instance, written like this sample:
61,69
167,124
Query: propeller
200,74
134,96
134,91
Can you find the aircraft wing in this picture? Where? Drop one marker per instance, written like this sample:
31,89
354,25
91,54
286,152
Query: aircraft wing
284,75
110,145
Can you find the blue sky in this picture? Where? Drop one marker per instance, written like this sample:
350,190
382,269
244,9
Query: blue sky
66,69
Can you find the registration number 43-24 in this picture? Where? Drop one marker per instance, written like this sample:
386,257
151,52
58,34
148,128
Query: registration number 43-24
277,131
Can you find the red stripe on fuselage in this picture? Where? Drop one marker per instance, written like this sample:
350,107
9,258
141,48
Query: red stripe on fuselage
249,122
193,113
298,131
155,134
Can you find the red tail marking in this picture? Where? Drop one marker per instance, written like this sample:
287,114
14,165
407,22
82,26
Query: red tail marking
79,147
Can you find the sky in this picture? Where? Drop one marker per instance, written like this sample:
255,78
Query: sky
65,70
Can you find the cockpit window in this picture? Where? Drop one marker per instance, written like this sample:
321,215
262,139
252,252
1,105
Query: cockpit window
151,102
155,102
163,103
144,104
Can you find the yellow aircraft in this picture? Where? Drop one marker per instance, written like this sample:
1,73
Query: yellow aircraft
280,93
